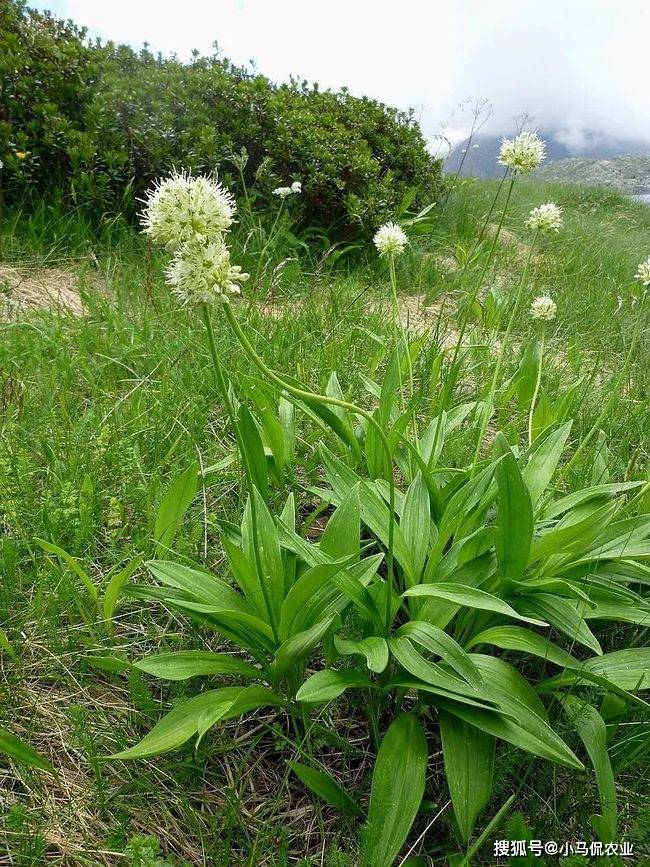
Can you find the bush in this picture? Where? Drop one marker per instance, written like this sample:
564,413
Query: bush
98,122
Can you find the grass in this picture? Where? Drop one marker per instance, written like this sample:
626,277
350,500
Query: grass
101,412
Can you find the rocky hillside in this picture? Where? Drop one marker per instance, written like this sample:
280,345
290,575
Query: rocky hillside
628,174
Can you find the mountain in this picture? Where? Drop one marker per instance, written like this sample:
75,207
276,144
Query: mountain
479,157
627,174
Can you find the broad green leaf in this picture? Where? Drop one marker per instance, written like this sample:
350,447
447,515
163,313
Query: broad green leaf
561,613
72,564
21,752
323,785
529,732
470,597
397,788
204,587
572,536
629,669
268,542
519,638
436,640
114,588
247,698
255,455
487,833
329,684
343,531
469,763
578,498
178,726
416,527
593,733
304,601
429,672
295,649
374,649
173,507
190,663
514,530
244,573
543,461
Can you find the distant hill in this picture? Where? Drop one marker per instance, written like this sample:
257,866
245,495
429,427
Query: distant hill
479,158
628,174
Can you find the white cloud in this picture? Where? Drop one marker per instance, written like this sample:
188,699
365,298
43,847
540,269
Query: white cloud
570,64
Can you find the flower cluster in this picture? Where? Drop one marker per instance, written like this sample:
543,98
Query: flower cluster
545,218
523,153
390,240
543,308
201,271
283,192
643,274
189,217
181,207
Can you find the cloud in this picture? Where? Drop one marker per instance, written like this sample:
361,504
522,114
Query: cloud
573,65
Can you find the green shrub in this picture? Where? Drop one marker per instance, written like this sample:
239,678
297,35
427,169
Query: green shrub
98,122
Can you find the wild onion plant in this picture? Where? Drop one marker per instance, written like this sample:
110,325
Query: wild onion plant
426,574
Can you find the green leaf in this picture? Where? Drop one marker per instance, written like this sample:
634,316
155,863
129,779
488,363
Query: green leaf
397,788
562,614
514,529
329,684
374,649
191,663
572,535
543,461
469,763
436,640
5,644
519,638
295,649
629,668
311,593
173,507
343,531
114,588
415,525
255,455
470,597
325,787
593,732
21,752
205,587
269,552
72,564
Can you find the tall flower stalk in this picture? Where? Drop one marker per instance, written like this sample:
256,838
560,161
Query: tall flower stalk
544,310
201,274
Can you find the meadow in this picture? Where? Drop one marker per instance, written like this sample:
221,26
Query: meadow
120,451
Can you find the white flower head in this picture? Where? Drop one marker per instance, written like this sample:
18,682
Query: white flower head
522,153
282,192
545,218
181,208
390,240
296,187
643,274
543,308
201,272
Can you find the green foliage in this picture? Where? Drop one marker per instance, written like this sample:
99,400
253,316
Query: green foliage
98,122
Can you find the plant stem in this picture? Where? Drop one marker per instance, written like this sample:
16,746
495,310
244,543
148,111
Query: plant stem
303,394
537,385
449,384
400,331
502,349
230,409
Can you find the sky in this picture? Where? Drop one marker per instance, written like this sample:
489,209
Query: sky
573,65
